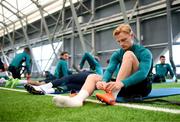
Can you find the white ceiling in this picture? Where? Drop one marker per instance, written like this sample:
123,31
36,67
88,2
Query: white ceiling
26,9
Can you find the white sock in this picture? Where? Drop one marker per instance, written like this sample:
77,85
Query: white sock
49,91
82,95
37,88
23,82
115,93
66,101
47,86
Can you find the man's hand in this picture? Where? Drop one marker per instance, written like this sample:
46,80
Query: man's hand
113,86
101,85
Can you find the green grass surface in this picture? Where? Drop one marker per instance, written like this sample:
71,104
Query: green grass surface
166,85
17,107
24,107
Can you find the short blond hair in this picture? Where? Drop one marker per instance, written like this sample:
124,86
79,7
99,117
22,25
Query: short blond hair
125,28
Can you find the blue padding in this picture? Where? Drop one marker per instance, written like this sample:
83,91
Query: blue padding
155,93
20,87
163,92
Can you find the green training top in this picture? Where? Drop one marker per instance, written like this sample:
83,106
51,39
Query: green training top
95,66
163,69
61,69
20,58
144,57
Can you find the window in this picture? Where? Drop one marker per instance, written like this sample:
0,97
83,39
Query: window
45,56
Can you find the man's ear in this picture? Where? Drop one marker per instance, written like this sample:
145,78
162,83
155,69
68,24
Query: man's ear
132,35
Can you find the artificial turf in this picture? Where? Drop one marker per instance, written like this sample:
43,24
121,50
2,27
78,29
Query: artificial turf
24,107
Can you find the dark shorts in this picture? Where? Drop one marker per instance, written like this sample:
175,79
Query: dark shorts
49,79
74,81
141,89
158,79
15,72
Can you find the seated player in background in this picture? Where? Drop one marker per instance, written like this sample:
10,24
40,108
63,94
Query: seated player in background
162,69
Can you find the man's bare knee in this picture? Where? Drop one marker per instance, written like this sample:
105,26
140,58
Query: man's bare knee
128,55
94,77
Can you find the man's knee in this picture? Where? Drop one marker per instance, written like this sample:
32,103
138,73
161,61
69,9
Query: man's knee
129,55
86,54
94,77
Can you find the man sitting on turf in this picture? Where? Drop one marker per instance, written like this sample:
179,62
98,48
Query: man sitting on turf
133,77
70,82
162,70
16,64
60,71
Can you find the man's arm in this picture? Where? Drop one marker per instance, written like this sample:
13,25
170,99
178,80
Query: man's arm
170,70
28,64
113,64
144,68
65,70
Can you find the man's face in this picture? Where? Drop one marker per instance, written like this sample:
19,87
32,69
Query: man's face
65,56
162,60
124,40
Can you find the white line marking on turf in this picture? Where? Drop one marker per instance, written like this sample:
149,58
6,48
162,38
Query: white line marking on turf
12,89
150,108
167,110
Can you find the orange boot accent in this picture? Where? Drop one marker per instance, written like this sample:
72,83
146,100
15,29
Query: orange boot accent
107,98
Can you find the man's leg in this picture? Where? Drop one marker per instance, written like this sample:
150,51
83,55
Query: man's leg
73,79
89,58
14,71
130,64
36,83
44,88
156,78
77,101
39,88
71,82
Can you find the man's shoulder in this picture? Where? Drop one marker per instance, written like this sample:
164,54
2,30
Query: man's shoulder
142,49
118,53
61,61
24,54
157,65
167,64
